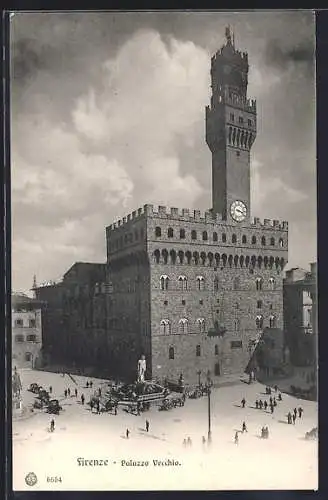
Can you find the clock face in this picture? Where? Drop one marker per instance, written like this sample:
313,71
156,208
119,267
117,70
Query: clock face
238,210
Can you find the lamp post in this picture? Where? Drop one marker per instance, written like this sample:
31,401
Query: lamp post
209,433
199,374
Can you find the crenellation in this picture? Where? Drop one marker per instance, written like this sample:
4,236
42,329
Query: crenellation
197,214
139,212
162,210
148,209
185,212
129,217
134,214
285,225
276,223
124,220
208,216
174,212
267,222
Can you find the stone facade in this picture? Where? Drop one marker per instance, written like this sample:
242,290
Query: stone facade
26,332
300,315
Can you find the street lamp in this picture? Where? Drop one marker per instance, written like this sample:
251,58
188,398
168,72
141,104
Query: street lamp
209,382
199,374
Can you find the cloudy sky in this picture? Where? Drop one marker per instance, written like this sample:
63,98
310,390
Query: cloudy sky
108,114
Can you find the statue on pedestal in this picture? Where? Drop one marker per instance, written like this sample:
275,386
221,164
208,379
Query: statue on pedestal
141,369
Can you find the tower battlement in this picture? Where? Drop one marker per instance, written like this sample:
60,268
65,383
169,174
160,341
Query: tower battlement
190,215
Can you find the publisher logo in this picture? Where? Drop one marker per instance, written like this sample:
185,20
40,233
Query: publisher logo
31,479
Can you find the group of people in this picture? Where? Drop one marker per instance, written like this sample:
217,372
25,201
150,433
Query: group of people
187,441
89,384
291,417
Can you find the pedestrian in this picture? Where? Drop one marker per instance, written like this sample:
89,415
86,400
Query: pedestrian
271,400
115,409
236,438
127,433
87,384
294,418
261,404
244,428
289,418
69,391
184,442
138,408
271,408
147,426
300,411
91,404
265,405
82,399
203,440
269,390
65,393
75,392
275,388
189,442
263,433
256,404
279,397
243,402
98,407
52,425
266,431
90,383
50,389
295,412
99,391
274,402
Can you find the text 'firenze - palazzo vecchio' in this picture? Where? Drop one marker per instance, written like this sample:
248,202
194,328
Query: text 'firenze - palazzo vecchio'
191,291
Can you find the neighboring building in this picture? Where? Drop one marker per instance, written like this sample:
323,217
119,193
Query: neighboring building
26,331
192,292
300,315
76,314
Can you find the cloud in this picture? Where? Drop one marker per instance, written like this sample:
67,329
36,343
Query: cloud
115,150
281,57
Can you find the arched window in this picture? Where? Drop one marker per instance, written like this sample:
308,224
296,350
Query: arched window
253,240
196,257
217,259
235,260
157,255
183,326
201,325
215,236
19,338
224,238
259,304
244,239
182,282
31,338
182,234
263,241
259,261
173,256
193,235
205,236
198,350
200,282
203,258
164,282
272,283
170,232
272,321
171,352
210,257
224,260
236,283
281,242
234,238
165,255
241,261
216,350
165,327
181,256
259,322
272,242
216,283
230,260
188,256
258,283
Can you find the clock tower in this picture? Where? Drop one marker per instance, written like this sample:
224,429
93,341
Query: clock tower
230,132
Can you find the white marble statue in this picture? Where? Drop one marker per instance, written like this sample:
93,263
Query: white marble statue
141,369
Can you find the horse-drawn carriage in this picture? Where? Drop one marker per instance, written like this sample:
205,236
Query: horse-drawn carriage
172,401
